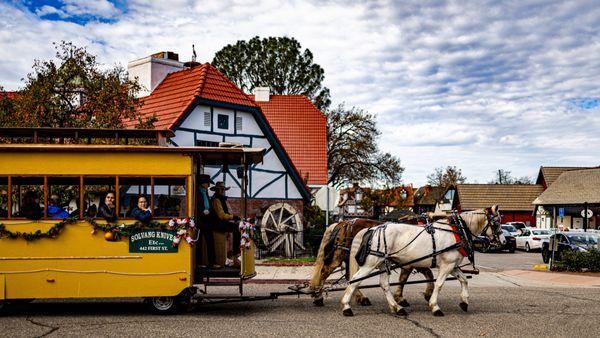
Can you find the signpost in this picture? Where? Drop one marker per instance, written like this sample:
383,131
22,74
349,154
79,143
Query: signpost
586,213
153,241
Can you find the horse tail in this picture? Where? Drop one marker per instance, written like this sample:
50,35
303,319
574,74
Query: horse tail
356,242
315,281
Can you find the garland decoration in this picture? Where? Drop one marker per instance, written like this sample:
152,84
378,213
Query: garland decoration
112,232
53,232
247,234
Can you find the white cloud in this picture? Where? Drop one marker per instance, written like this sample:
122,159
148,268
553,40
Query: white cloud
480,85
97,8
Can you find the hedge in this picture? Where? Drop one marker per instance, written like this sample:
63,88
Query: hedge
579,261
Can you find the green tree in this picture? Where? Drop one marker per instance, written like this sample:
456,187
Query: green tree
441,177
72,91
276,62
352,151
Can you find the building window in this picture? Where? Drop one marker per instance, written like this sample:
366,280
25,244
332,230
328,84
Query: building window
222,121
201,143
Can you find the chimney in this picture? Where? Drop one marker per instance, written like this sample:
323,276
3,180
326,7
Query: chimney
152,69
262,94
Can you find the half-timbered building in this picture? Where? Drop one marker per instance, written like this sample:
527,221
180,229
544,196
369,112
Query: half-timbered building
205,108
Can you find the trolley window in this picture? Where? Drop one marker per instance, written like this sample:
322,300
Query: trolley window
63,197
3,197
95,191
130,189
170,197
28,197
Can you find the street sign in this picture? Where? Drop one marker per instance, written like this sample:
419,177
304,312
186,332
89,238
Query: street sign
561,212
589,213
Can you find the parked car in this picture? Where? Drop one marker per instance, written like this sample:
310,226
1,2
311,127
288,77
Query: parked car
483,244
518,225
569,241
511,229
531,238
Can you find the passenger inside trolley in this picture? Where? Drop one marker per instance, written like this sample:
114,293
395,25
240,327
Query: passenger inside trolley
142,212
54,208
3,203
107,210
30,208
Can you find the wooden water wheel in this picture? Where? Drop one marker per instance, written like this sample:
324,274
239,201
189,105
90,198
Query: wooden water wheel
281,229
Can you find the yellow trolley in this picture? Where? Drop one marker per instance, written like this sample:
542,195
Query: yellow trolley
82,256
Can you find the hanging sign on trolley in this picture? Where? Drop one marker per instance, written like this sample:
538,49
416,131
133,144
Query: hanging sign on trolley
153,241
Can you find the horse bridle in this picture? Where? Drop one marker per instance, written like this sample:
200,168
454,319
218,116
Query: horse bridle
494,223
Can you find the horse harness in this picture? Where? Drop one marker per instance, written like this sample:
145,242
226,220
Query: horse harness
464,241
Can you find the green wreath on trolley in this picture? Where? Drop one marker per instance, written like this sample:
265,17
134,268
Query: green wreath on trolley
112,231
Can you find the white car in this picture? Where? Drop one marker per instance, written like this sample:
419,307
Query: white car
511,229
532,238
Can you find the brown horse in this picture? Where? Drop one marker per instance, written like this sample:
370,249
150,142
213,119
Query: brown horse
335,249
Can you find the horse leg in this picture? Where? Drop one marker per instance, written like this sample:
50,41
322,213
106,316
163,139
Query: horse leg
464,292
318,295
428,274
404,274
384,282
443,271
361,299
362,272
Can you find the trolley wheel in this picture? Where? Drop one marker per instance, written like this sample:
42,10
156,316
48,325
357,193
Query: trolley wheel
2,306
163,305
170,305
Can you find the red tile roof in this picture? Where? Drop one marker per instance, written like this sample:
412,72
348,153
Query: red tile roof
174,95
9,95
302,130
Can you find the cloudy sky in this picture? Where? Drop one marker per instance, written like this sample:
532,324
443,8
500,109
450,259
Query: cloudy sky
482,86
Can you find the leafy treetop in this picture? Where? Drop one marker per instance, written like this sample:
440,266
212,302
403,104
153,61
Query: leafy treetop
276,62
72,91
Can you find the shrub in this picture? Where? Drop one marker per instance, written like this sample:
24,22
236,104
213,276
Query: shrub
579,261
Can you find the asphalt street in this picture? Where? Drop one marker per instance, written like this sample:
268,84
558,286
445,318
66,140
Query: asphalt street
505,309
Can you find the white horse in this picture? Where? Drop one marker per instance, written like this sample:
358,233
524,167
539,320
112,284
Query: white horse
408,243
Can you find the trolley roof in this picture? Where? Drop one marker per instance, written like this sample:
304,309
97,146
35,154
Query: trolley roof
79,140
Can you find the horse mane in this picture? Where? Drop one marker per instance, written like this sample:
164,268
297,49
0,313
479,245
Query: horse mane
320,261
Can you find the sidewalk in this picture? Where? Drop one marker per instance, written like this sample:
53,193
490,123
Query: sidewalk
509,278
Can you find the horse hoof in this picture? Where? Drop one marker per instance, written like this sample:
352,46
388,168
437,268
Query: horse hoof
348,313
402,312
438,313
464,306
318,302
426,296
365,302
404,303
